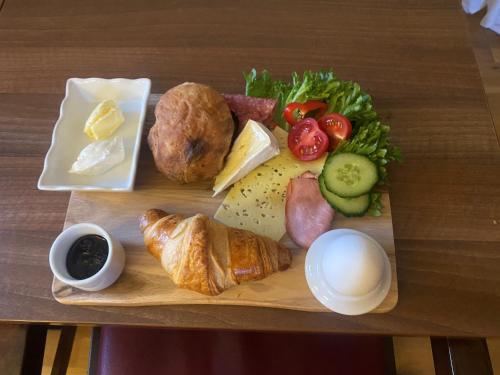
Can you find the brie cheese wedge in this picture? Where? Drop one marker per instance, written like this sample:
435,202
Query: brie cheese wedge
254,146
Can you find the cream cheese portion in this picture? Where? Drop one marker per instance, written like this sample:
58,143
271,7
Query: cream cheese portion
99,157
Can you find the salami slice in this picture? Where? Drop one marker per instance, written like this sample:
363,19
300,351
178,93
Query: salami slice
249,107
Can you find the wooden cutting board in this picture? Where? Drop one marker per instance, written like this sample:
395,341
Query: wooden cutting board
144,282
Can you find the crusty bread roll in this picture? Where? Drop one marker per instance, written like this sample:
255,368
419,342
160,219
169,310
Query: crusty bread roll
192,133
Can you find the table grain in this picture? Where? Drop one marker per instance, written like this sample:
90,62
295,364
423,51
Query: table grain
415,59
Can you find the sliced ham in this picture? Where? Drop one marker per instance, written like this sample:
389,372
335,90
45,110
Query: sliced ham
248,107
307,213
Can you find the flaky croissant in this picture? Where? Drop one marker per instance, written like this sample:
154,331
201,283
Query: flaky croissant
208,257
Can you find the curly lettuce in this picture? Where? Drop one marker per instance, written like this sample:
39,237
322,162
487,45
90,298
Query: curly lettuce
343,97
352,102
370,136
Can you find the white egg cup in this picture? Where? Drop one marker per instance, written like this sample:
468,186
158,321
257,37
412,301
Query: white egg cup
322,285
107,275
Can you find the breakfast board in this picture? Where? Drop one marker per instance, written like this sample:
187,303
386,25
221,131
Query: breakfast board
145,283
292,166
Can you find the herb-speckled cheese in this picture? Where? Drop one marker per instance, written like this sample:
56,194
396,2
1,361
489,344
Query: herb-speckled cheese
257,201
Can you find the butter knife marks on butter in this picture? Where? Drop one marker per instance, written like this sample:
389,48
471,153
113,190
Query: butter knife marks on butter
99,157
104,120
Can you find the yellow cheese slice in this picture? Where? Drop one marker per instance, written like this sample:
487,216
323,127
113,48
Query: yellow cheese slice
257,201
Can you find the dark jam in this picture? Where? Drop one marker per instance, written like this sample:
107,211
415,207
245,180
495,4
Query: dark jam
86,256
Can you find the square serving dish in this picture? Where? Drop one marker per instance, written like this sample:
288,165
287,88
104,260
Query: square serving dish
68,139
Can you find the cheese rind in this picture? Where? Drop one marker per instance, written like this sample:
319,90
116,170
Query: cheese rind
255,145
257,201
104,120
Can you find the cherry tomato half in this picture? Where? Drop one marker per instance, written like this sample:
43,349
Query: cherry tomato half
294,112
337,127
307,141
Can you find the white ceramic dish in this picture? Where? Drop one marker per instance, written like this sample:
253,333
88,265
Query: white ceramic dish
107,275
68,139
320,283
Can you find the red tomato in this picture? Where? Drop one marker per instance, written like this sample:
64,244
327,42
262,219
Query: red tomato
307,141
337,127
294,112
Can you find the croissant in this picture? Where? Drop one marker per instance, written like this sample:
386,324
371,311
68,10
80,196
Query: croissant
208,257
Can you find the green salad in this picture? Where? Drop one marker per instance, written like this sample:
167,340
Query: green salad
348,183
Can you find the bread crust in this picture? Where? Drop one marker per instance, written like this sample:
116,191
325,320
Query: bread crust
192,133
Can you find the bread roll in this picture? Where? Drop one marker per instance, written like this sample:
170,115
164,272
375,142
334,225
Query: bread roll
192,133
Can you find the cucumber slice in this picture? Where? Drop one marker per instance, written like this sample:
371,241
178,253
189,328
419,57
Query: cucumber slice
346,206
349,175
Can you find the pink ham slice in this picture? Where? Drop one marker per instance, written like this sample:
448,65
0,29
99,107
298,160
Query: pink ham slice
307,213
248,107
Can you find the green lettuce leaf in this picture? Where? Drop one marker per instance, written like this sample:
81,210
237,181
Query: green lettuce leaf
349,100
370,135
371,138
343,97
376,205
312,86
262,86
309,86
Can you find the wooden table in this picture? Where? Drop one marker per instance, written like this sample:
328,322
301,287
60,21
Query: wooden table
413,57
